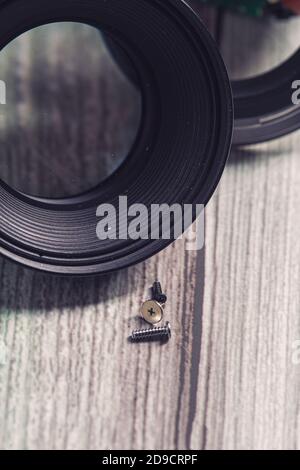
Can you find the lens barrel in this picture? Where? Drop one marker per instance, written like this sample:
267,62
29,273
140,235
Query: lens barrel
180,151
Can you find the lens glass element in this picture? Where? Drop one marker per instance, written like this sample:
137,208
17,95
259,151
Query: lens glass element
68,114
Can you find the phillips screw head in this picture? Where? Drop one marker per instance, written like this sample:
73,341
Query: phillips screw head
152,312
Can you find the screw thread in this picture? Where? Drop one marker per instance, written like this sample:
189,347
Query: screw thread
157,293
157,287
163,332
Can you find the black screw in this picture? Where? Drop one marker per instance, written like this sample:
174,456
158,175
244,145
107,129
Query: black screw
158,294
152,334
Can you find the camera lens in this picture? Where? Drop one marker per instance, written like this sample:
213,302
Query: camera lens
263,106
263,95
180,149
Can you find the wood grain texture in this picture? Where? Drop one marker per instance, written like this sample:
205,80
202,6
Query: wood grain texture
69,379
248,389
73,381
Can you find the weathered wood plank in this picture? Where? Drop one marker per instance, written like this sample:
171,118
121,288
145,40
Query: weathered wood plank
248,394
72,380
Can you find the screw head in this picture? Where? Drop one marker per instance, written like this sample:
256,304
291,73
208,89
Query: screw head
152,312
168,329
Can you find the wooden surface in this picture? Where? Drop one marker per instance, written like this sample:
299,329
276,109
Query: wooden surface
69,379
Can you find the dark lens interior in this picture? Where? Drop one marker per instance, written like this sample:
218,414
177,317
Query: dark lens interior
265,37
70,115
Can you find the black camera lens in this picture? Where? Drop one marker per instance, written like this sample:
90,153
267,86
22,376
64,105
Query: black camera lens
264,108
263,105
180,149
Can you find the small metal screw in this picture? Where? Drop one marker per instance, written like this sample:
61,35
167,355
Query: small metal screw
152,334
152,312
158,294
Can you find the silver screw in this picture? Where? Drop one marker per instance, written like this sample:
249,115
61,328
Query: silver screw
151,334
